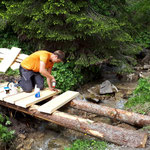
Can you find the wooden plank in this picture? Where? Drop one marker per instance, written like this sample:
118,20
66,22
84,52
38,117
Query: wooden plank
7,61
5,96
19,58
3,84
2,95
28,101
2,56
22,56
4,50
15,66
58,102
16,97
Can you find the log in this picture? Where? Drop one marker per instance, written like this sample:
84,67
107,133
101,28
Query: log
122,115
103,131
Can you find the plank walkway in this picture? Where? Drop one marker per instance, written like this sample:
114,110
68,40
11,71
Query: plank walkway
25,100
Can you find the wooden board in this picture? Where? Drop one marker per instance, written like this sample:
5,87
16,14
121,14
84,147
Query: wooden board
2,56
4,50
19,58
9,59
22,56
58,102
3,84
28,101
16,97
15,66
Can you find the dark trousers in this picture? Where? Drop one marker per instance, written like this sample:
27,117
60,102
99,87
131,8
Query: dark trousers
29,79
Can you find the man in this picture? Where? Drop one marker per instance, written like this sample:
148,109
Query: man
37,64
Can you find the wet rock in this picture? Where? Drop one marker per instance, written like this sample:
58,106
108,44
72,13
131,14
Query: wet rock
94,90
107,87
41,135
119,95
146,59
22,136
120,104
93,93
143,53
132,77
138,68
146,67
28,144
19,146
57,144
92,97
144,74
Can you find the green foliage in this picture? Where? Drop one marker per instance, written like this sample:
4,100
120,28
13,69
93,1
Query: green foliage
144,39
11,72
66,77
140,10
107,7
89,31
122,66
6,136
141,96
88,145
9,39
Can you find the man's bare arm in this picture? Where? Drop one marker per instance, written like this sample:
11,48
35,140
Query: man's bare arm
44,71
48,79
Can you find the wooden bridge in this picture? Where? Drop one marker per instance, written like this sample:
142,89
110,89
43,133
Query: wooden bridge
47,107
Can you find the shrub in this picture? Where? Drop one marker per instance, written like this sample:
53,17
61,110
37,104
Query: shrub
66,76
140,96
6,135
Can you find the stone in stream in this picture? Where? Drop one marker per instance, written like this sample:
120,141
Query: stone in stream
107,87
98,92
146,67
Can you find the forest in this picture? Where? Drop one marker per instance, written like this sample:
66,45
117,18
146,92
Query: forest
89,32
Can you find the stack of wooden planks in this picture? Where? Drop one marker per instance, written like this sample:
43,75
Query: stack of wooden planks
10,58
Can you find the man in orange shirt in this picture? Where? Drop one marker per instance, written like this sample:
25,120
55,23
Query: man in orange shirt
37,64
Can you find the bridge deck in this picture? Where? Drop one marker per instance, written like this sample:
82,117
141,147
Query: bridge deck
27,100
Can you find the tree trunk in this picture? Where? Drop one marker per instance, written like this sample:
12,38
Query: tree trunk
122,115
104,131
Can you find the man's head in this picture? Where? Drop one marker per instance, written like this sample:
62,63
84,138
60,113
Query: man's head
57,56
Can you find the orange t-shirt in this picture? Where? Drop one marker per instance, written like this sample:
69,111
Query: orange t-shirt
33,61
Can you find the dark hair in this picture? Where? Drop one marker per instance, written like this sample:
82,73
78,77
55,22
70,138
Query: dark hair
60,54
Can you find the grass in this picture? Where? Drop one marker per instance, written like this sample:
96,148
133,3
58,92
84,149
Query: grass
87,145
11,72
